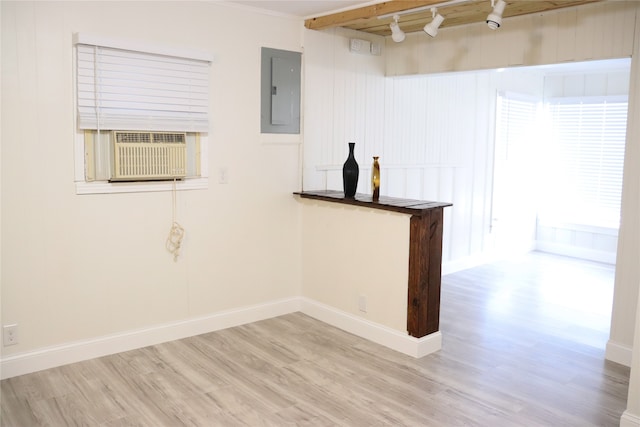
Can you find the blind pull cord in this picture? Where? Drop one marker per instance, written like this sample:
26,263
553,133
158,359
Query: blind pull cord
174,239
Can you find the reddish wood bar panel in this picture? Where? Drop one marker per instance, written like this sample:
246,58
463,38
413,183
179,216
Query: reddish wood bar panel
425,252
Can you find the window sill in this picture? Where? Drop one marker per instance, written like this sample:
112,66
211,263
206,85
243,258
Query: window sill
551,223
103,187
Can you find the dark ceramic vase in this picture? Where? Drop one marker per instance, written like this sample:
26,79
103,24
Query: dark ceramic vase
350,172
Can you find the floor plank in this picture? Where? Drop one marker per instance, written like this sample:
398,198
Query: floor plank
523,345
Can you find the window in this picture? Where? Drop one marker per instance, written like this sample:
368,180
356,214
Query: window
515,169
585,149
157,96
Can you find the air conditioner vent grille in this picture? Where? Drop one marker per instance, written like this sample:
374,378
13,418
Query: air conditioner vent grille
169,138
133,137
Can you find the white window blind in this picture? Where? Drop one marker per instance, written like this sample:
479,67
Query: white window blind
516,127
122,89
586,148
514,194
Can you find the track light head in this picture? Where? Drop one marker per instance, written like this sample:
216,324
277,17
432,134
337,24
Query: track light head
432,27
396,33
494,20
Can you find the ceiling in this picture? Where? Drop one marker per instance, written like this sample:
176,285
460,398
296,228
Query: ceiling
303,8
363,15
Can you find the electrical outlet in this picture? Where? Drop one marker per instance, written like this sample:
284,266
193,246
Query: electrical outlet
223,175
362,303
10,334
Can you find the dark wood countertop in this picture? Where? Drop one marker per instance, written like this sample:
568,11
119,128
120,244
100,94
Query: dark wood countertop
394,204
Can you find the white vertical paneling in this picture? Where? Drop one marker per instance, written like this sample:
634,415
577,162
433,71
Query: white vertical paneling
589,83
583,239
598,83
413,183
317,114
547,27
618,83
344,102
620,37
611,29
494,48
518,35
474,47
599,22
431,183
566,39
628,27
374,125
482,161
445,47
334,180
416,125
445,193
553,86
601,30
589,33
338,143
394,182
461,215
403,58
605,243
573,85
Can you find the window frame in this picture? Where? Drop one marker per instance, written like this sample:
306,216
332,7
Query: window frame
82,186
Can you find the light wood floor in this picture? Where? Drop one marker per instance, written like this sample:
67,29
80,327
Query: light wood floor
523,346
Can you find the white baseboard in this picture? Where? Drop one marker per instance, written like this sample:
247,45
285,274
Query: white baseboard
59,355
629,420
576,252
380,334
50,357
619,353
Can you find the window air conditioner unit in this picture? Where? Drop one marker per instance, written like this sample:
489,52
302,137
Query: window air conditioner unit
149,155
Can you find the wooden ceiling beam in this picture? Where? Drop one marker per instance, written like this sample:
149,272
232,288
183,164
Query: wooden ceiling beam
366,18
364,13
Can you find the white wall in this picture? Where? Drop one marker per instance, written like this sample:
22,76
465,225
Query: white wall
77,267
354,252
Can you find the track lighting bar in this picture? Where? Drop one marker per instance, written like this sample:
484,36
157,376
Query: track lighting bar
494,20
420,9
